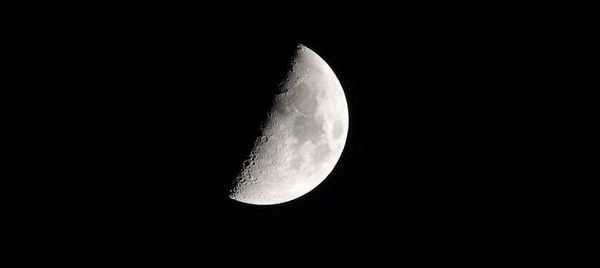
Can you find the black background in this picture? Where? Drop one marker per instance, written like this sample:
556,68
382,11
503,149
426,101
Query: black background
150,116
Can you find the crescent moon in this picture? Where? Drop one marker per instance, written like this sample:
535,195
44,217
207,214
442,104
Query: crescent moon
302,139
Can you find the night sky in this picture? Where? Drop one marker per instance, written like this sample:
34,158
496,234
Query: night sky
154,118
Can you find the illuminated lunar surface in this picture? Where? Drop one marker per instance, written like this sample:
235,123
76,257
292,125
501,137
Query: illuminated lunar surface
302,138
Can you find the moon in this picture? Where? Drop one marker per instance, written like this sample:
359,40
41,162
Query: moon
303,136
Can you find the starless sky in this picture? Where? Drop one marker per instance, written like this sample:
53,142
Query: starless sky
162,115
